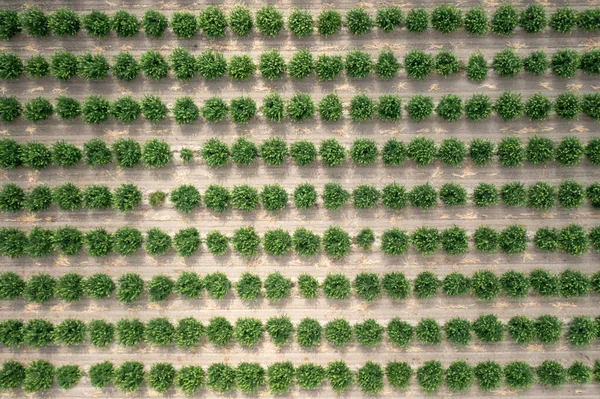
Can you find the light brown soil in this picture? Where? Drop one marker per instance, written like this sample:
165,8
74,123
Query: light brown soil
289,176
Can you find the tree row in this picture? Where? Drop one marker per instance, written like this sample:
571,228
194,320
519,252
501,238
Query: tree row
249,332
212,21
273,198
279,378
511,152
335,242
508,106
484,285
212,65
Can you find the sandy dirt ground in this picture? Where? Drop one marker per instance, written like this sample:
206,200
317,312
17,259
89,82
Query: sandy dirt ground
289,176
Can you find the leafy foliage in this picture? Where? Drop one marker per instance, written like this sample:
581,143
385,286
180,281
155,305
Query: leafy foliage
185,111
37,109
217,285
476,21
277,287
240,20
488,328
183,24
336,286
249,377
394,242
300,107
154,65
509,105
367,286
417,20
426,240
124,24
273,107
387,66
130,287
189,285
95,110
489,375
446,18
279,329
485,285
242,109
128,377
481,151
305,242
280,376
39,288
243,151
430,376
219,331
370,378
159,287
9,24
398,374
536,63
247,331
34,21
446,63
518,375
521,329
300,23
96,23
271,65
358,21
92,67
127,152
510,152
504,20
399,332
39,375
301,65
161,376
362,108
307,285
305,196
328,67
450,107
421,150
68,376
101,374
476,68
273,197
101,333
459,376
248,287
67,108
187,241
417,63
544,283
329,22
426,285
154,23
564,63
358,64
336,242
98,286
220,377
428,331
365,196
269,21
458,331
